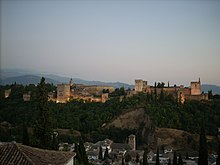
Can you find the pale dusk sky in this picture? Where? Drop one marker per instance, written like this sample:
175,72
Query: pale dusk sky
162,40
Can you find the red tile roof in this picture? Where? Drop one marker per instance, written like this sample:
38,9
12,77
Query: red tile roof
17,154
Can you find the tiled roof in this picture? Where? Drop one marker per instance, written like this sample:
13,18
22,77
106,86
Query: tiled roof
17,154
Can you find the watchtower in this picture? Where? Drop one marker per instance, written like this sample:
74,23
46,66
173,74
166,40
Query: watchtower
196,88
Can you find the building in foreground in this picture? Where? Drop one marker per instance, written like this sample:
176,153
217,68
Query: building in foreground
17,154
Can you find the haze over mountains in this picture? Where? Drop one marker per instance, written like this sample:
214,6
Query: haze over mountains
27,77
23,77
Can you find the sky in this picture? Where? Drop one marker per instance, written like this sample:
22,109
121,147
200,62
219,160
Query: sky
162,40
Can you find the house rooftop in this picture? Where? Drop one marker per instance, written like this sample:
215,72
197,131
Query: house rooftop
13,154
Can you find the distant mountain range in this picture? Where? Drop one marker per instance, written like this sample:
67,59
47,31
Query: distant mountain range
21,77
10,77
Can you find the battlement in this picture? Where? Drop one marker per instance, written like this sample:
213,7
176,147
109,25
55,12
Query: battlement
193,92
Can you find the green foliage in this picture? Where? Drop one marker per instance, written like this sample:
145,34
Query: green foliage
89,118
157,158
43,126
174,158
218,158
180,160
169,162
81,157
145,161
117,92
203,152
122,161
25,138
106,154
100,153
127,158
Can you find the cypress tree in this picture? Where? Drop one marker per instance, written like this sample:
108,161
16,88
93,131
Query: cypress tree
145,161
161,95
43,126
137,158
203,152
169,162
78,155
157,158
187,155
100,153
174,158
155,92
218,158
106,155
180,160
122,161
83,154
25,136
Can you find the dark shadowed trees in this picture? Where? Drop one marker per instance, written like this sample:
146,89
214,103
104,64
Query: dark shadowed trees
203,152
100,153
180,160
174,158
25,135
145,161
43,127
218,158
106,154
157,158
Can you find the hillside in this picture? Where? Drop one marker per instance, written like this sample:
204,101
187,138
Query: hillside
153,136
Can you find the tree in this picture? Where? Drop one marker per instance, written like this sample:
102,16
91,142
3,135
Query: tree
203,152
25,136
137,158
106,155
83,154
78,155
161,95
157,158
43,127
187,155
155,92
122,161
100,153
174,158
218,158
145,161
180,160
169,162
128,158
210,95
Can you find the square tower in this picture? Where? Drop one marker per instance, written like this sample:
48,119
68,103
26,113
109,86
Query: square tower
140,85
196,88
63,93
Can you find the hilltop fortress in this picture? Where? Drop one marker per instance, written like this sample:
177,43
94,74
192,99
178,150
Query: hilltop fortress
182,93
100,93
89,93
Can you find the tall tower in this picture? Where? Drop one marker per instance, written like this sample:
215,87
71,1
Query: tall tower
196,88
138,85
71,82
132,142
